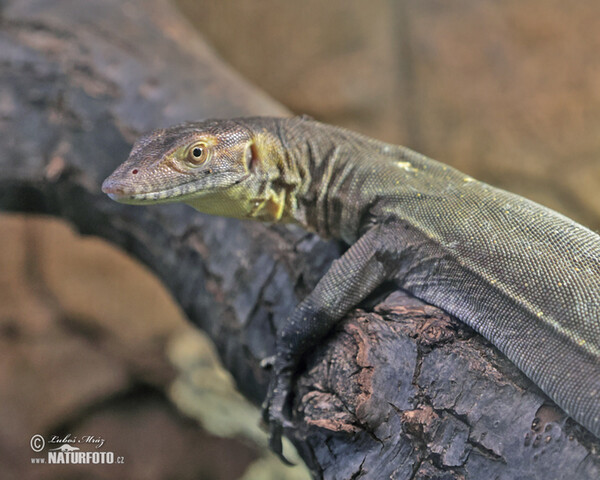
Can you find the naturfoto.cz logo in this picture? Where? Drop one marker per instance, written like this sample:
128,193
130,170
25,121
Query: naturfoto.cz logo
68,450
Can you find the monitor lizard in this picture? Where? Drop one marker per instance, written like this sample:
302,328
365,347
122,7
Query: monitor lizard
526,277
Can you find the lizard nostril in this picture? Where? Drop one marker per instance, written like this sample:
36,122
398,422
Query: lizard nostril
134,171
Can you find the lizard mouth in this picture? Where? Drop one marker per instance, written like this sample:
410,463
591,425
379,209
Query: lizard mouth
125,194
122,194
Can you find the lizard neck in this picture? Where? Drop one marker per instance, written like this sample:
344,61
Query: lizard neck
277,179
307,173
329,198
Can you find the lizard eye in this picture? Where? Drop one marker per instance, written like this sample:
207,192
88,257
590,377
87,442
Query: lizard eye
197,154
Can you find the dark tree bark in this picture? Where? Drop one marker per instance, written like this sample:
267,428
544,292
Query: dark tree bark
399,389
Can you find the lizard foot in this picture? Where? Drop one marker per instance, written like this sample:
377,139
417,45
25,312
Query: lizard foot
276,410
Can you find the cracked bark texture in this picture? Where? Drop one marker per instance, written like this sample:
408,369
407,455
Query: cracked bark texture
399,390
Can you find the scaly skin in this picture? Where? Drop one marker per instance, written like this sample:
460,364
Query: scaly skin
524,276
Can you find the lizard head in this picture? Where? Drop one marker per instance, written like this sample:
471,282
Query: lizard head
210,165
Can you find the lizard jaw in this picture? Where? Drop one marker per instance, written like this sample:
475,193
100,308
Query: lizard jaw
119,193
179,193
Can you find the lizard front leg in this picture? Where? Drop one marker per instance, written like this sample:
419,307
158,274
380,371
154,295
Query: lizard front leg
350,279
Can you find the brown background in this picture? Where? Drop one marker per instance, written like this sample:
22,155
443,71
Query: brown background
506,91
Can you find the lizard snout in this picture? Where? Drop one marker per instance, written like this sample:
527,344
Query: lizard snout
114,189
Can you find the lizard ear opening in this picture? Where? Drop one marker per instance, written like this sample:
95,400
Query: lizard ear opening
251,157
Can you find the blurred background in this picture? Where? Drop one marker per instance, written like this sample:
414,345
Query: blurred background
508,92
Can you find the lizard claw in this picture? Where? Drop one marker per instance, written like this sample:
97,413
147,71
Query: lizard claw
275,411
275,444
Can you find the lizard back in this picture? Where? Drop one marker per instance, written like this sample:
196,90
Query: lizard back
524,276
